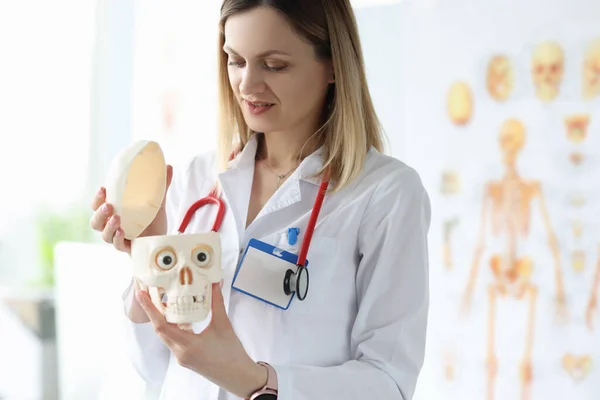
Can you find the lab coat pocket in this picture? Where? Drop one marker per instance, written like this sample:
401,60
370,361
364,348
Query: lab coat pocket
321,263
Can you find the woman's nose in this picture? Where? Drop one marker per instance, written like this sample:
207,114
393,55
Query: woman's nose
252,82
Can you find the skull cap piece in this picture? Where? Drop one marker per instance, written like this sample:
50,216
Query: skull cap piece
136,185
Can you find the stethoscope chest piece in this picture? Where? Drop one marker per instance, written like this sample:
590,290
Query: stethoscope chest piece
296,282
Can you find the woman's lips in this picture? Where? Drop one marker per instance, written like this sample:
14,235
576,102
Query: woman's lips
257,108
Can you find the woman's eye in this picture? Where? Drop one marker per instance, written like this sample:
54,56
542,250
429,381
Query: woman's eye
275,67
235,63
166,259
267,66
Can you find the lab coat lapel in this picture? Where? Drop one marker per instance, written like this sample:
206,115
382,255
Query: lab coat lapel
285,196
237,185
289,193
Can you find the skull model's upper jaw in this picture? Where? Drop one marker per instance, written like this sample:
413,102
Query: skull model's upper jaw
182,302
182,307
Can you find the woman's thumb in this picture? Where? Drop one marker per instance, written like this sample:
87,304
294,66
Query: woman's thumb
169,175
169,179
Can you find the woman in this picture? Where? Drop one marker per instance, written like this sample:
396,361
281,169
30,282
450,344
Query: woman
294,72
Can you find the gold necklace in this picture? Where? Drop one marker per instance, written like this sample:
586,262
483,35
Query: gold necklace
279,176
260,157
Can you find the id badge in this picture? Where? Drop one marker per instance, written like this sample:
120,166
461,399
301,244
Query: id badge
261,273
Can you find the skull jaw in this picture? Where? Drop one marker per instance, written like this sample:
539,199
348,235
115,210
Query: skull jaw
189,306
186,316
178,311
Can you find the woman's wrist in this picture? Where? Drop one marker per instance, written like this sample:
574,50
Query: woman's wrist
249,380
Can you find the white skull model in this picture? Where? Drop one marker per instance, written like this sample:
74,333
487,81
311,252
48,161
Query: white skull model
179,271
547,70
591,71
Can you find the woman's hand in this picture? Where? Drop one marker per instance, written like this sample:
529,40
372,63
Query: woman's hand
105,221
216,353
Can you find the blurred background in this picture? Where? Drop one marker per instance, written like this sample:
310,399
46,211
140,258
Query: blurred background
469,93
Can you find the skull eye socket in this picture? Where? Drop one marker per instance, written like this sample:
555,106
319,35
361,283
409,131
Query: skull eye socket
202,255
166,259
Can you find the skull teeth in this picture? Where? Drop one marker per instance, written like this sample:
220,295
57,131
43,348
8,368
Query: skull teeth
184,300
198,299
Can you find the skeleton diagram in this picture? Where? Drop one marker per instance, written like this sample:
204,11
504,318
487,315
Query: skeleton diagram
593,302
507,204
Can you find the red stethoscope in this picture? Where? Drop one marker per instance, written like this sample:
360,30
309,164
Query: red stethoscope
211,198
294,281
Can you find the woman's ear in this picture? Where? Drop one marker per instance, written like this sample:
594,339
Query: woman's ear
332,76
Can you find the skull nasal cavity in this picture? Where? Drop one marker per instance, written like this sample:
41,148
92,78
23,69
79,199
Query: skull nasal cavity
185,276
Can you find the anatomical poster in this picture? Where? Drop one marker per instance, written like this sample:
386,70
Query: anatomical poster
501,118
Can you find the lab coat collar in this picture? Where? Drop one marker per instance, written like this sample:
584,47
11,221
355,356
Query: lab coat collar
305,171
237,183
310,166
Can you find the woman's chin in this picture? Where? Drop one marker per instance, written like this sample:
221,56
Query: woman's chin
258,125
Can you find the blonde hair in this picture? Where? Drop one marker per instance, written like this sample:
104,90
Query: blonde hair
350,125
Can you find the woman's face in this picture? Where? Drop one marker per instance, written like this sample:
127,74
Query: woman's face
275,75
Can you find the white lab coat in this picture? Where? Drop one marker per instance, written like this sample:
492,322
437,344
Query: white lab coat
360,333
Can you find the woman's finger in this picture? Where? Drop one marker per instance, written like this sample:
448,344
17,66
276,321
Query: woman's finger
120,242
162,327
110,229
101,215
99,198
219,313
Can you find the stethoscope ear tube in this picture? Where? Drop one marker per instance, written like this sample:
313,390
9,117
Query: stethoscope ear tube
211,198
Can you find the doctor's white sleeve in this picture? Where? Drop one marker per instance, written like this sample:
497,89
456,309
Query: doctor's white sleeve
392,283
148,354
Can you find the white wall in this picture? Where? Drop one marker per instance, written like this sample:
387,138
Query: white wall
111,88
381,32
